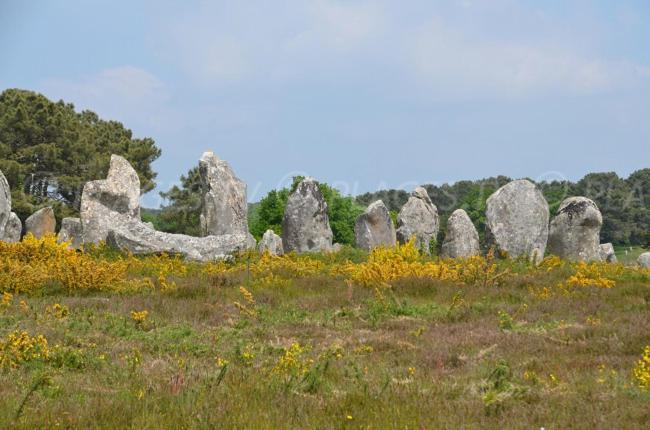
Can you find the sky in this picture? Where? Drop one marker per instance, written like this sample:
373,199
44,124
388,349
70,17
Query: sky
364,95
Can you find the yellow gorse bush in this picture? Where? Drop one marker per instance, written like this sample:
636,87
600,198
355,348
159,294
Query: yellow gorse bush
19,347
386,265
641,371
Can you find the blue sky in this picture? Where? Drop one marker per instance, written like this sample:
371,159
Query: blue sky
361,94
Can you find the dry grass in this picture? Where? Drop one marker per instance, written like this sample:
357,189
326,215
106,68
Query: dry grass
424,353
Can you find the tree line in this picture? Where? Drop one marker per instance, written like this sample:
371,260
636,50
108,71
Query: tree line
48,151
624,202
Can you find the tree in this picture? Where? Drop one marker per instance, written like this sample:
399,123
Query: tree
48,151
182,212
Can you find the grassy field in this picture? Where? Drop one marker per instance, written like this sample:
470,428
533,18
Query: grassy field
347,340
629,255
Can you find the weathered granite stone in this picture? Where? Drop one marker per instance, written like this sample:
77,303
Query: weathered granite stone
71,232
41,223
13,229
305,225
607,254
374,227
419,218
136,237
461,238
517,220
336,247
644,260
574,233
103,201
225,209
271,243
150,225
5,203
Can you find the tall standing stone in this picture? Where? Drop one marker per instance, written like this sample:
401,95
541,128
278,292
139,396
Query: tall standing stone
461,238
5,203
271,243
374,227
517,220
106,202
13,229
225,208
41,223
574,233
418,218
305,225
71,232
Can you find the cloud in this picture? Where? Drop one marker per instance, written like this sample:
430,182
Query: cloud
126,93
449,50
448,62
217,45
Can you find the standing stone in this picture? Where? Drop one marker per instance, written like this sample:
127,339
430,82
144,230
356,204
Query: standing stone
109,201
644,260
5,203
517,220
271,243
13,229
71,232
461,239
374,227
41,223
305,225
607,254
419,218
574,233
225,209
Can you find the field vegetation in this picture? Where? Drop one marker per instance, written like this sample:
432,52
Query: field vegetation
390,339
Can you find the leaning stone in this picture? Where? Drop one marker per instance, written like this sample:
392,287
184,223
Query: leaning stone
41,223
225,208
374,227
606,252
644,260
137,238
418,218
461,239
517,220
71,232
5,204
305,225
271,243
103,201
13,229
574,233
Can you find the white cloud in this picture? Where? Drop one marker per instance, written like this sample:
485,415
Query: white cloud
126,93
448,62
447,50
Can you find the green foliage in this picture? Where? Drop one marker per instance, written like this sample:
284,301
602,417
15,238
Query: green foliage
268,213
48,151
182,212
342,212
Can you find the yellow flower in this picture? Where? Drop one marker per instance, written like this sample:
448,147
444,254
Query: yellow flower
641,371
348,417
140,318
6,299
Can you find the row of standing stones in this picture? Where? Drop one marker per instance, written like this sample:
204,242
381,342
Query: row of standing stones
517,221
